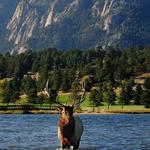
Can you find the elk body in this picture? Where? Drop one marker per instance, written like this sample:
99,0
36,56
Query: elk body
70,126
70,129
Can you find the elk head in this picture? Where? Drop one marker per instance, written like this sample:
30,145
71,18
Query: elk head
53,96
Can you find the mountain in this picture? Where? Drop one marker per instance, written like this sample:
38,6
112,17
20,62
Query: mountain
67,24
7,8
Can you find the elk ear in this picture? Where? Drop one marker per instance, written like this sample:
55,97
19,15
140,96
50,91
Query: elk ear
59,108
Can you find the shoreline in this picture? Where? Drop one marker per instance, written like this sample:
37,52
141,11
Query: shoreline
83,112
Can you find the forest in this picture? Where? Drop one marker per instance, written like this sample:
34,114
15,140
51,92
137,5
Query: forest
110,75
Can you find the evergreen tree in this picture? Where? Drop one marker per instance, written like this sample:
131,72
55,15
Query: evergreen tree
99,71
2,66
138,95
6,94
11,91
30,89
129,93
15,89
122,97
110,95
65,86
56,79
43,76
109,65
19,69
146,94
96,97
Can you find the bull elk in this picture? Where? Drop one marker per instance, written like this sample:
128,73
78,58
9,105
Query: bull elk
70,126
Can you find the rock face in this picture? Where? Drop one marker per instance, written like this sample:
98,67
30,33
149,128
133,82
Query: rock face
83,24
7,8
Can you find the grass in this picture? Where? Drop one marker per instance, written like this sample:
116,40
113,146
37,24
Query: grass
87,104
10,104
63,98
126,107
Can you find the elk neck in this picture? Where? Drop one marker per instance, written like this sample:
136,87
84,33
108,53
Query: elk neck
67,124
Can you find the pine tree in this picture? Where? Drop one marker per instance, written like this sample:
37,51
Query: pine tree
110,95
146,94
138,95
43,76
6,94
122,96
129,93
56,79
65,86
30,89
96,97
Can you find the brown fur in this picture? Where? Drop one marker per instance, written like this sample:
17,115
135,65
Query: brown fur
67,131
67,126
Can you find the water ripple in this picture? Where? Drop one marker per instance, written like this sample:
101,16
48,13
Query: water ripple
102,132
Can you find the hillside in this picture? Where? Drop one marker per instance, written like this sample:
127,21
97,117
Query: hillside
81,24
7,8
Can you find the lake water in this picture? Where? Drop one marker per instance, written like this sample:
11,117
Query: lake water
102,132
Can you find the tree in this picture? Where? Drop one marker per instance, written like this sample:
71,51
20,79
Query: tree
2,66
129,92
35,64
11,91
109,64
122,96
56,79
99,71
30,89
123,71
146,94
43,76
6,94
126,92
96,97
65,86
75,91
110,95
41,99
138,95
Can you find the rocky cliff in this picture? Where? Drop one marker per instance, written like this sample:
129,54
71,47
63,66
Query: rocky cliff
83,24
7,8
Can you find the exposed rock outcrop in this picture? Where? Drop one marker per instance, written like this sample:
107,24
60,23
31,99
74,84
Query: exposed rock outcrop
83,24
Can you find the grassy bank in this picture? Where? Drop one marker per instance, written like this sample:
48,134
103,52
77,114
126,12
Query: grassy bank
86,107
88,110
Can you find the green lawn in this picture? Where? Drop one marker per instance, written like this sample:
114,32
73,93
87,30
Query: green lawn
86,105
119,107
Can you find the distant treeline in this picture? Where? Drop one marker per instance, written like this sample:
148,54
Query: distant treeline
108,69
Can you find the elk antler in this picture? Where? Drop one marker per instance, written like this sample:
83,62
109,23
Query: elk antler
83,95
52,94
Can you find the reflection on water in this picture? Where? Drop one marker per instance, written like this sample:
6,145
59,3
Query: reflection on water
102,132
